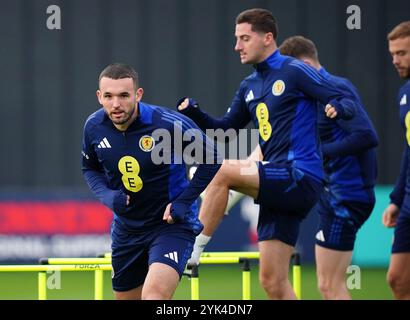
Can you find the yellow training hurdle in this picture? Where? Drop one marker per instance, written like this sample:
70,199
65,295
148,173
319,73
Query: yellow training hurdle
42,274
244,258
101,264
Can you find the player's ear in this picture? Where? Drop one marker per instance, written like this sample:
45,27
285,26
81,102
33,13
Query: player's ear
138,95
307,61
269,38
98,93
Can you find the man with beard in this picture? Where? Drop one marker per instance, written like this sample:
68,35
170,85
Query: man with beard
397,214
155,213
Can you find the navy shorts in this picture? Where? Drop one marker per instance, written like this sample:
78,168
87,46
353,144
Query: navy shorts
286,195
401,241
132,254
339,221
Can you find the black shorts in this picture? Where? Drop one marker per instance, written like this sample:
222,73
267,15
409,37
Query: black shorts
340,221
286,195
401,242
132,254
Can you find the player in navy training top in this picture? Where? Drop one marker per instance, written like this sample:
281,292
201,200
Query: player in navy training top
397,214
350,168
280,98
133,161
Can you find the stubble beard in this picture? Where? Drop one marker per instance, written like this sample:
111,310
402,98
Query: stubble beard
125,119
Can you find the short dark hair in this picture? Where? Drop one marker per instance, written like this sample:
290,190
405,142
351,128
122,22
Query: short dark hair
119,71
400,31
261,20
299,47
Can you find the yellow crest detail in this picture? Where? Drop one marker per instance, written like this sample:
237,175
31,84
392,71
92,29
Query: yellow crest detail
147,143
278,87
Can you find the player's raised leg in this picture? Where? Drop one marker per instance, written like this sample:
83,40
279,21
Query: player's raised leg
239,175
227,198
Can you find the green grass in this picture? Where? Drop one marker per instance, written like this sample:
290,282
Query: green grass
225,282
215,282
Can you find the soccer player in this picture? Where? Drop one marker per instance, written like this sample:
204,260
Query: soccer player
144,182
397,214
350,168
280,98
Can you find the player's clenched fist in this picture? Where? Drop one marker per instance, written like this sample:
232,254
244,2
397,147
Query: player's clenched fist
186,102
331,111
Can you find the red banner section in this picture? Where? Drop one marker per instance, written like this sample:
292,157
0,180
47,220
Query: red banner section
46,218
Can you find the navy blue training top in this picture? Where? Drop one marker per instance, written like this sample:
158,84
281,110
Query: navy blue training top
147,163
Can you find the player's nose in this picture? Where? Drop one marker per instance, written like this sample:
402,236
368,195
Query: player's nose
115,102
238,46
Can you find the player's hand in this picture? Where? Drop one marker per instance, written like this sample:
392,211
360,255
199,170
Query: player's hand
390,215
176,212
330,111
167,214
186,102
121,201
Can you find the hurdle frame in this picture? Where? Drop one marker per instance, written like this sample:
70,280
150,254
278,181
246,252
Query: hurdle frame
101,264
244,258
